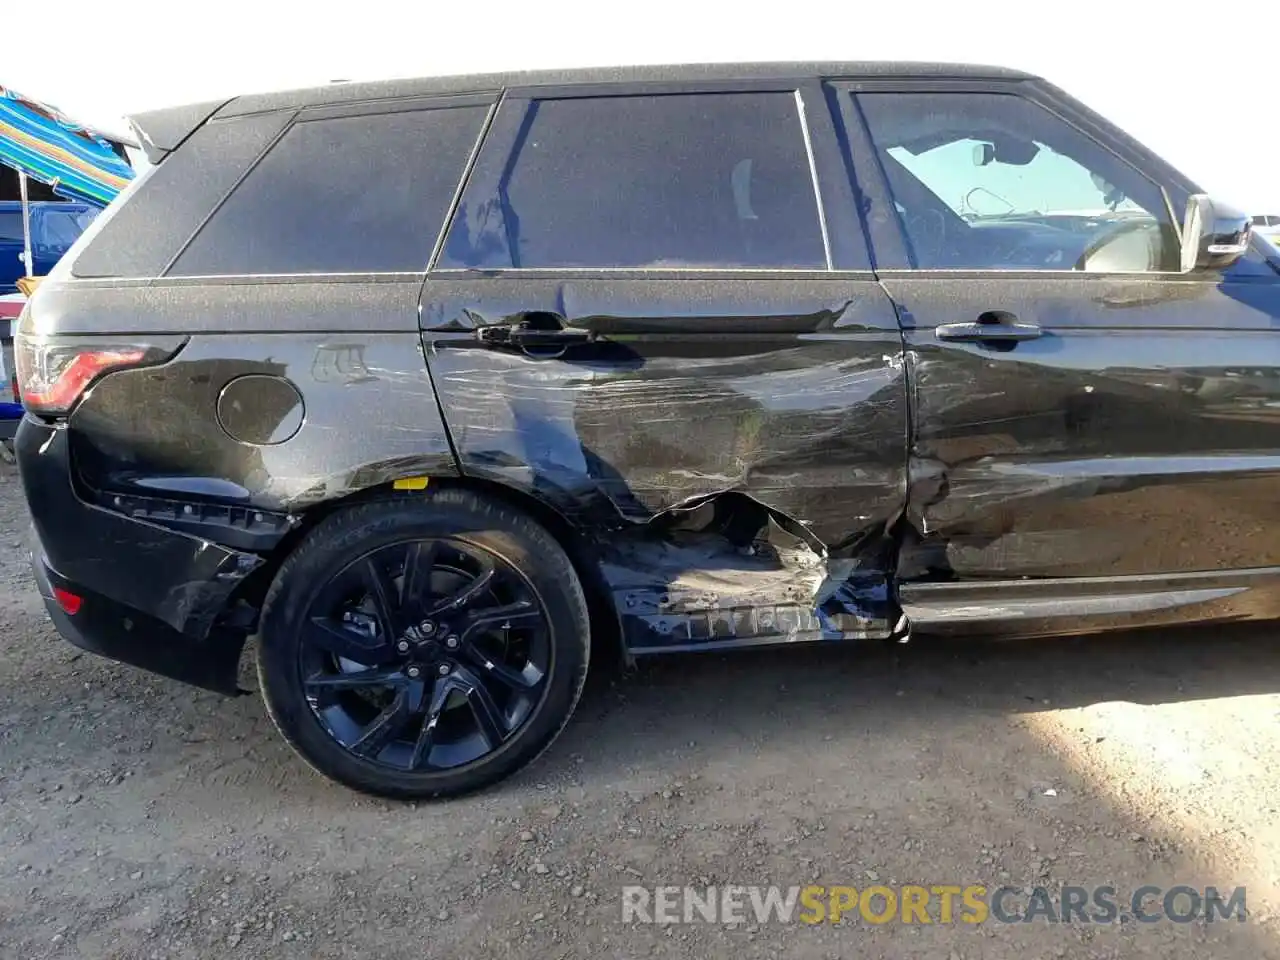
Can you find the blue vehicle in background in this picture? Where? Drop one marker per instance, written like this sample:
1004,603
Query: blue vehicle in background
55,226
40,145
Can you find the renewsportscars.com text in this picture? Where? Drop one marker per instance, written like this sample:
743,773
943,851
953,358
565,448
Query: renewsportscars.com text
936,903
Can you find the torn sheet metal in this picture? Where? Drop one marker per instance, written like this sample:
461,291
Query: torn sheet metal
725,570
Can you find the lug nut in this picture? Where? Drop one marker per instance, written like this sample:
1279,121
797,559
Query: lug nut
403,646
414,672
427,627
451,643
443,670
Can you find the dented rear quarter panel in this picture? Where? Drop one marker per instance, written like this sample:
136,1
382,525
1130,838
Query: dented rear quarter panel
368,413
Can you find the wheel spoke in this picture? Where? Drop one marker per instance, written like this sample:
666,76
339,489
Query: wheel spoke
469,592
422,746
380,590
523,679
417,693
426,736
509,614
420,558
338,590
359,680
383,729
489,719
344,641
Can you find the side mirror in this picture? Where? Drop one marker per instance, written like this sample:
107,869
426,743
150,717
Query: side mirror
1214,236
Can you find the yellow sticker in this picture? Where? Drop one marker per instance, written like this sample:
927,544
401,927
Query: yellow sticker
411,483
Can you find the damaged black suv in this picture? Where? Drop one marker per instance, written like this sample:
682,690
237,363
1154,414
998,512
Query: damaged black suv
433,386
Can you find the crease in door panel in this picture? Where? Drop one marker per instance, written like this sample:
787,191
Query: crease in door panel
736,490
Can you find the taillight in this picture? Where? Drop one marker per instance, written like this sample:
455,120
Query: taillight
52,376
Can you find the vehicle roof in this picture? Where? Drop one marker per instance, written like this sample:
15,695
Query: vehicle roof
161,131
675,73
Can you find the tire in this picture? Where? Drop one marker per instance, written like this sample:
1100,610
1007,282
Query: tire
496,534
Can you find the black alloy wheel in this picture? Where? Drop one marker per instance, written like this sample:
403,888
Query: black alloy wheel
409,650
424,654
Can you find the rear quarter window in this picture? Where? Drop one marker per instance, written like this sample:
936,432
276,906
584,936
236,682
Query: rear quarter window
146,226
648,181
356,194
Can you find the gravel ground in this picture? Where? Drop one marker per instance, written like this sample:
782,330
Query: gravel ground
142,819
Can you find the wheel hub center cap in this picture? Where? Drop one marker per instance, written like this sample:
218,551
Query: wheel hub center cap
423,637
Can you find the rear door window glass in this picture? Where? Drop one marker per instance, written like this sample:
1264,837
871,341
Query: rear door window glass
677,180
342,195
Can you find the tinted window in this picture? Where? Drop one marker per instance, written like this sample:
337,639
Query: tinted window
147,224
1259,221
992,181
345,195
11,226
687,180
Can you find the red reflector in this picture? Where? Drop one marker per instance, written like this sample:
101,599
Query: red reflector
67,600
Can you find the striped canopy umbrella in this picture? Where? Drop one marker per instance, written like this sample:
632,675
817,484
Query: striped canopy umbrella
77,163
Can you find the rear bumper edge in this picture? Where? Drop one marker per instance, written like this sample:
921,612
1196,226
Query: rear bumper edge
182,580
109,629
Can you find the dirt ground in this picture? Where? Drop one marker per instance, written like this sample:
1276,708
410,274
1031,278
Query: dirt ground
142,819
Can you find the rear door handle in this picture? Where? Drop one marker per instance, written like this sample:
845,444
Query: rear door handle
533,333
987,327
564,337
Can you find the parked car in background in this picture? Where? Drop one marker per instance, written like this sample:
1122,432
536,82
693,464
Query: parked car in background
670,359
1268,225
55,226
11,305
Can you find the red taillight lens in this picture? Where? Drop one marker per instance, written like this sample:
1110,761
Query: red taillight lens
67,600
51,377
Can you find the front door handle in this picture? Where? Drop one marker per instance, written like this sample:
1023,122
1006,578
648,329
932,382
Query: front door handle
1001,327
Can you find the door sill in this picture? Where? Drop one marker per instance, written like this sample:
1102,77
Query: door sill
1067,605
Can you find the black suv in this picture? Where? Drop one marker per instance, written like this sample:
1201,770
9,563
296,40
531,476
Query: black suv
430,384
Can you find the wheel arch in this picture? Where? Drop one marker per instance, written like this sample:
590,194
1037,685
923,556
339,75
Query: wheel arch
606,628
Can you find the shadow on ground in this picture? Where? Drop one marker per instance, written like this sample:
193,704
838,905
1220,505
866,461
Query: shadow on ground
845,764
